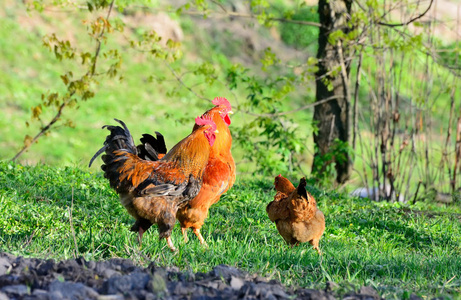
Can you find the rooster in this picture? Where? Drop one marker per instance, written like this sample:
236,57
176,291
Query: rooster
295,213
152,191
219,174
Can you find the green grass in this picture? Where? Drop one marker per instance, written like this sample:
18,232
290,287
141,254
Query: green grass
396,249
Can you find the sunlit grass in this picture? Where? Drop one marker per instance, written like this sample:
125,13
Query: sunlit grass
395,248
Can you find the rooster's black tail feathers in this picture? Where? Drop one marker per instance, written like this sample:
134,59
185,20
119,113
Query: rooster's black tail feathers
118,139
151,147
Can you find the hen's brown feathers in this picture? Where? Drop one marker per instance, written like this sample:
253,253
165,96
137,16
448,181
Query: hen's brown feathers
283,185
296,215
278,209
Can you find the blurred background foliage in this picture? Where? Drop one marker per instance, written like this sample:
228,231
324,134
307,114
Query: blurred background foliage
156,66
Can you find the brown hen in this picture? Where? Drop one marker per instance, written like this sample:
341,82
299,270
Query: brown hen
295,213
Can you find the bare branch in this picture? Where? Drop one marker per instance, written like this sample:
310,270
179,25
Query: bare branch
98,48
227,14
355,111
410,21
178,78
44,129
90,73
310,105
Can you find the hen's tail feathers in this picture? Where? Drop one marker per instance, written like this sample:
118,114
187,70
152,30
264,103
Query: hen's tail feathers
152,148
301,190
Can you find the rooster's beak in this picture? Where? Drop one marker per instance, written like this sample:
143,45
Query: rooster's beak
216,131
230,112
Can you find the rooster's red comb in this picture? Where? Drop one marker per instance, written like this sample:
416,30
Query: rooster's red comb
221,101
205,120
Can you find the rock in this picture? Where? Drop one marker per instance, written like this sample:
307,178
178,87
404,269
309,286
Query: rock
5,266
187,276
110,297
365,293
19,290
183,289
158,283
226,272
118,279
91,265
46,267
39,294
150,296
236,283
314,294
108,273
125,283
72,290
56,295
369,291
279,291
8,256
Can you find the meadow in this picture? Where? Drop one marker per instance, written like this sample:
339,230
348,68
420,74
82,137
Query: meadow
53,206
398,249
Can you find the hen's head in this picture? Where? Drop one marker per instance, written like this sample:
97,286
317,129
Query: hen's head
281,184
210,128
224,108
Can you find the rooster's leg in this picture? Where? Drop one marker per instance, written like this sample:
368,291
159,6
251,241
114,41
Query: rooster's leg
169,242
184,234
200,237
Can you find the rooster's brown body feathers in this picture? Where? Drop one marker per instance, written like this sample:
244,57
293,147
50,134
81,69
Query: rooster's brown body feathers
218,176
152,191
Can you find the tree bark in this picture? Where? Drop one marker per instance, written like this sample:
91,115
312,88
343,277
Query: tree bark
332,81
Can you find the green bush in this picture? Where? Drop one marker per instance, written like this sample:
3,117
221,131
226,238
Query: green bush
298,35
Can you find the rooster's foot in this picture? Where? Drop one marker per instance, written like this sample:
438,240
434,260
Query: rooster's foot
169,242
184,234
200,237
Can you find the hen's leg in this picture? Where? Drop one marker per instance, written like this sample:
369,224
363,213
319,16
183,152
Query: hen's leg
184,234
315,243
169,242
199,236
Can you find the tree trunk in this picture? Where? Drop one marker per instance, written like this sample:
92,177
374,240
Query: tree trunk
332,82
